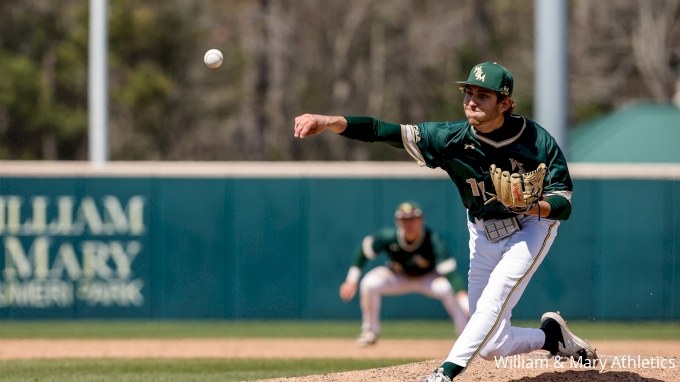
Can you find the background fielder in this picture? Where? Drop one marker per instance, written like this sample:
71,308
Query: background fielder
501,262
419,261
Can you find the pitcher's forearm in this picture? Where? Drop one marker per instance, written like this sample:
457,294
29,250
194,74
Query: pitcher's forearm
365,129
336,123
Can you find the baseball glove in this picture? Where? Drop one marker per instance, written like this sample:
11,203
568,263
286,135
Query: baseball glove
517,192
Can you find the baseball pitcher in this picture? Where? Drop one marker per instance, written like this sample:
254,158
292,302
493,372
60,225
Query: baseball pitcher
419,261
515,184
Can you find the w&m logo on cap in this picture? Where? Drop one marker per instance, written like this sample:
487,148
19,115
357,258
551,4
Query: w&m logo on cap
479,74
492,76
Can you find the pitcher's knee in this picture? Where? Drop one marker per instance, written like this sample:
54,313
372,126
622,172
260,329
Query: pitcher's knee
491,352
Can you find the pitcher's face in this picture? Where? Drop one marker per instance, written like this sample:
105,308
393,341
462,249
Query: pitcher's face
481,105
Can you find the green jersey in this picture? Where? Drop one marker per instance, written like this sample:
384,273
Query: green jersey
520,145
428,253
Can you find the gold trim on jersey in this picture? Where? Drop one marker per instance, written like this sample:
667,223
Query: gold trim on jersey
410,136
502,143
500,314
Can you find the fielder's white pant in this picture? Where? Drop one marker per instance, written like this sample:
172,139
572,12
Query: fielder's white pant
382,281
499,273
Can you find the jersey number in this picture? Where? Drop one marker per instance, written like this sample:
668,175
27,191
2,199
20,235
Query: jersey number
477,188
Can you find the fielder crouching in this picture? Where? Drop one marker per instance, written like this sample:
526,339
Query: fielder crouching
419,262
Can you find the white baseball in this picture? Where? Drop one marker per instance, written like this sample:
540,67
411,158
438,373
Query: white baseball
213,58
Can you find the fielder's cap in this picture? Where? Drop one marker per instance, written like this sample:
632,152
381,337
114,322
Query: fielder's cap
408,210
490,75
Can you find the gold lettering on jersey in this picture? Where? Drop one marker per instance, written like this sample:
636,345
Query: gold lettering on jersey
469,146
479,75
515,164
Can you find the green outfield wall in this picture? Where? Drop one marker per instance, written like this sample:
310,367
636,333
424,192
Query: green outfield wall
274,241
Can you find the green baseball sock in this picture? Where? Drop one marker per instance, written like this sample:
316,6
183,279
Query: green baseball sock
451,369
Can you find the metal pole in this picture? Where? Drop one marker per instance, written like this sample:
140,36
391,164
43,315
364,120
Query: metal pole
98,113
551,88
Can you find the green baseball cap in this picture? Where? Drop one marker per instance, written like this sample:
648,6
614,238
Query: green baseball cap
408,210
490,75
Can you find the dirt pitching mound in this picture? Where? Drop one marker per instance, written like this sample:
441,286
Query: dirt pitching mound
533,367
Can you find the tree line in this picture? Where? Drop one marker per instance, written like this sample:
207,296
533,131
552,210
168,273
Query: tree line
392,59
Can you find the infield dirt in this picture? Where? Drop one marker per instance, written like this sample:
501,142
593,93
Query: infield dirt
622,362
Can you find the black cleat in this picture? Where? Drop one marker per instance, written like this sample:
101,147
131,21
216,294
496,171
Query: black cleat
562,342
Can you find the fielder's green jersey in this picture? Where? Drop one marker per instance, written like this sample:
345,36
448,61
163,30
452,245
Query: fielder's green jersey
520,145
428,253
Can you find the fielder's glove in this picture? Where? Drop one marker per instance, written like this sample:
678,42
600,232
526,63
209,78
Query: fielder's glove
517,192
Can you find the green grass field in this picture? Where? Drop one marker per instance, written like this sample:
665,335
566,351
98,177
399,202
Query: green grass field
393,329
168,370
81,370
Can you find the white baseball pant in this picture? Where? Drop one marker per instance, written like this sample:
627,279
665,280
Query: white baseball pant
381,281
499,273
